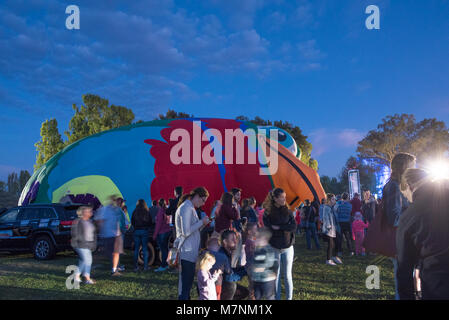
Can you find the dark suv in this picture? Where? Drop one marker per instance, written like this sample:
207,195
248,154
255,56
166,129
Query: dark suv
42,228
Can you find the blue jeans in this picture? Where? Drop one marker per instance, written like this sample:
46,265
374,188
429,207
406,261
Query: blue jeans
345,230
264,290
285,258
311,231
85,262
162,242
186,279
141,239
395,271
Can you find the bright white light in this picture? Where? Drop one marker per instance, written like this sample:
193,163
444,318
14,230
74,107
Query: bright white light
439,170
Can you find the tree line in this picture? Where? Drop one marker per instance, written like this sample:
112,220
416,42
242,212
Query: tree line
11,189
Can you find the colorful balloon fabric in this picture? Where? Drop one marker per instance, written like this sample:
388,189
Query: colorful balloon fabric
148,160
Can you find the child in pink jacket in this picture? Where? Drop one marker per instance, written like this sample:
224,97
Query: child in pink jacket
358,233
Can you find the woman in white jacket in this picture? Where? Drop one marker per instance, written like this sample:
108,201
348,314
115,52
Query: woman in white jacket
188,237
330,228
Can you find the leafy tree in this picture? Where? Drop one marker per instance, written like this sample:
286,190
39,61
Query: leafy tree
428,138
242,118
96,116
172,114
93,117
313,164
331,185
49,144
13,183
10,191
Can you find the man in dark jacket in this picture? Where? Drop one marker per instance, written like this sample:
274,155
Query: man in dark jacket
310,214
344,220
173,205
154,209
422,239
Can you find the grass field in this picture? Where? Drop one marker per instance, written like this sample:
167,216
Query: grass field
22,277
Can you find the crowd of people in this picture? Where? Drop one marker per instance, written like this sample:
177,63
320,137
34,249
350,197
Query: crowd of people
243,239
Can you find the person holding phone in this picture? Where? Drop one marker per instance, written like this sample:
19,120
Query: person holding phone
188,238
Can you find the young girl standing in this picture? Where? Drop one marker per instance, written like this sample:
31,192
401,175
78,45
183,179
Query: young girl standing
358,233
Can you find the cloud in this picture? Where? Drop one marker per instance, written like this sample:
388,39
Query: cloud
243,48
326,141
309,51
310,56
349,137
276,20
94,59
299,14
303,14
319,139
309,66
241,13
151,43
139,55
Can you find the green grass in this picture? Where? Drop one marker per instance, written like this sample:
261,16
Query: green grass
22,277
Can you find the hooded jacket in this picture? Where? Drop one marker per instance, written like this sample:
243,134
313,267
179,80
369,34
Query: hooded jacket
330,227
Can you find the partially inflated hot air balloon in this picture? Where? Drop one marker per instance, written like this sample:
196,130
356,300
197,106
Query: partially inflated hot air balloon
148,160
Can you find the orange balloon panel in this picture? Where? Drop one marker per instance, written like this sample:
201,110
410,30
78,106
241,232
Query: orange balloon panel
299,181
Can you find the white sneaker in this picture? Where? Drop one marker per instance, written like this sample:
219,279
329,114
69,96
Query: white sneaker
330,263
337,260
